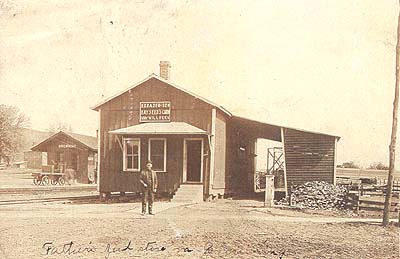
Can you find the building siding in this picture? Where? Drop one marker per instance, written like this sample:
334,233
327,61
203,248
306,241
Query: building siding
123,111
34,159
308,157
218,181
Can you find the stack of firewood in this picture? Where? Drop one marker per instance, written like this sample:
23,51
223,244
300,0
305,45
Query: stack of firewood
318,195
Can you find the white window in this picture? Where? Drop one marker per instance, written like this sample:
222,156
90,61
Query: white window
158,153
131,154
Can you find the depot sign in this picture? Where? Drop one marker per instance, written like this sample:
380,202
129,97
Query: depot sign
155,111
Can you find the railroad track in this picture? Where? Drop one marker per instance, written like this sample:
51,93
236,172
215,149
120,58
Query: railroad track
42,189
93,197
50,199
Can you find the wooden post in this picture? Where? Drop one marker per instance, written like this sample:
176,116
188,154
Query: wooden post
392,146
284,159
358,200
269,191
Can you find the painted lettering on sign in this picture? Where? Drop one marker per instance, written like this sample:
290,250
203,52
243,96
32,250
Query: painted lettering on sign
155,111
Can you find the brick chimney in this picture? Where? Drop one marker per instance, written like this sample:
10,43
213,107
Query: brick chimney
165,70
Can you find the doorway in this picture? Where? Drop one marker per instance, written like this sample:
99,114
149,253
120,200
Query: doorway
193,160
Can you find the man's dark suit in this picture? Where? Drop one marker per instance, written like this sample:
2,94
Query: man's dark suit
148,180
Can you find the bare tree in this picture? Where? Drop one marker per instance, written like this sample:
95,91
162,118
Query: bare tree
11,121
350,164
392,146
378,166
60,126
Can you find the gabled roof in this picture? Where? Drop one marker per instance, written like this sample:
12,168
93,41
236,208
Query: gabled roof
160,128
96,107
87,141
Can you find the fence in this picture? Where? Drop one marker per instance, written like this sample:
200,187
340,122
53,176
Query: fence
368,193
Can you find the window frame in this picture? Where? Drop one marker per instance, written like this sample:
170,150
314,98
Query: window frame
165,153
125,155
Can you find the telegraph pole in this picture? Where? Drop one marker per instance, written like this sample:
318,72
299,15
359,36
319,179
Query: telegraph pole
392,146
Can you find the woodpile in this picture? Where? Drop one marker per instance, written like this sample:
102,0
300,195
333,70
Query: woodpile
319,195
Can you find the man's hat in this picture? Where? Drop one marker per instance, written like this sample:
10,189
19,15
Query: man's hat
149,162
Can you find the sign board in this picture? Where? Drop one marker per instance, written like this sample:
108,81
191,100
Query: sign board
155,111
67,146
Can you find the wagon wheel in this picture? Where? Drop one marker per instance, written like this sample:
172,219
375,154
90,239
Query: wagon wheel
61,181
54,181
36,181
45,180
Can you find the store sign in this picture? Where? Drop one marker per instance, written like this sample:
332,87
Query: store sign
155,111
67,146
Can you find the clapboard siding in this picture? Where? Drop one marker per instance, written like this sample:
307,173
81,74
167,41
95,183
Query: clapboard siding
308,156
123,111
218,181
184,107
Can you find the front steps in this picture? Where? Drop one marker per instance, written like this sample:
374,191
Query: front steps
189,193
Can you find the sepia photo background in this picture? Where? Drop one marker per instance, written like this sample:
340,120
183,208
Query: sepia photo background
326,66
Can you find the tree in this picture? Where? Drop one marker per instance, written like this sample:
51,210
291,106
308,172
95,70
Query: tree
350,164
11,121
60,126
392,146
378,166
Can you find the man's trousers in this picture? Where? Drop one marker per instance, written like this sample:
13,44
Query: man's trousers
147,198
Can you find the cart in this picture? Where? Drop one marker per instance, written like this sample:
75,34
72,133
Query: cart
48,176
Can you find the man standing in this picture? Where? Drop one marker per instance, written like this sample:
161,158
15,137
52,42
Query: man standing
148,179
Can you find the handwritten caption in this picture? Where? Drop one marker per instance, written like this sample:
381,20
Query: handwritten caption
112,250
50,249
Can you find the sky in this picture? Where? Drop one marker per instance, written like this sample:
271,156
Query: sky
326,66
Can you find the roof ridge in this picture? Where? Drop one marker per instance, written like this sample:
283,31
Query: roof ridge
167,82
82,141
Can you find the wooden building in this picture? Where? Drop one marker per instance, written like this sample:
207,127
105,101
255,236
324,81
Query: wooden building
71,151
34,159
194,141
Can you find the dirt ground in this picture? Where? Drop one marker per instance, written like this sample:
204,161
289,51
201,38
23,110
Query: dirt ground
219,229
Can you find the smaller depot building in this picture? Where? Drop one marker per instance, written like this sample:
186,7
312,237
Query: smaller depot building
67,150
192,140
